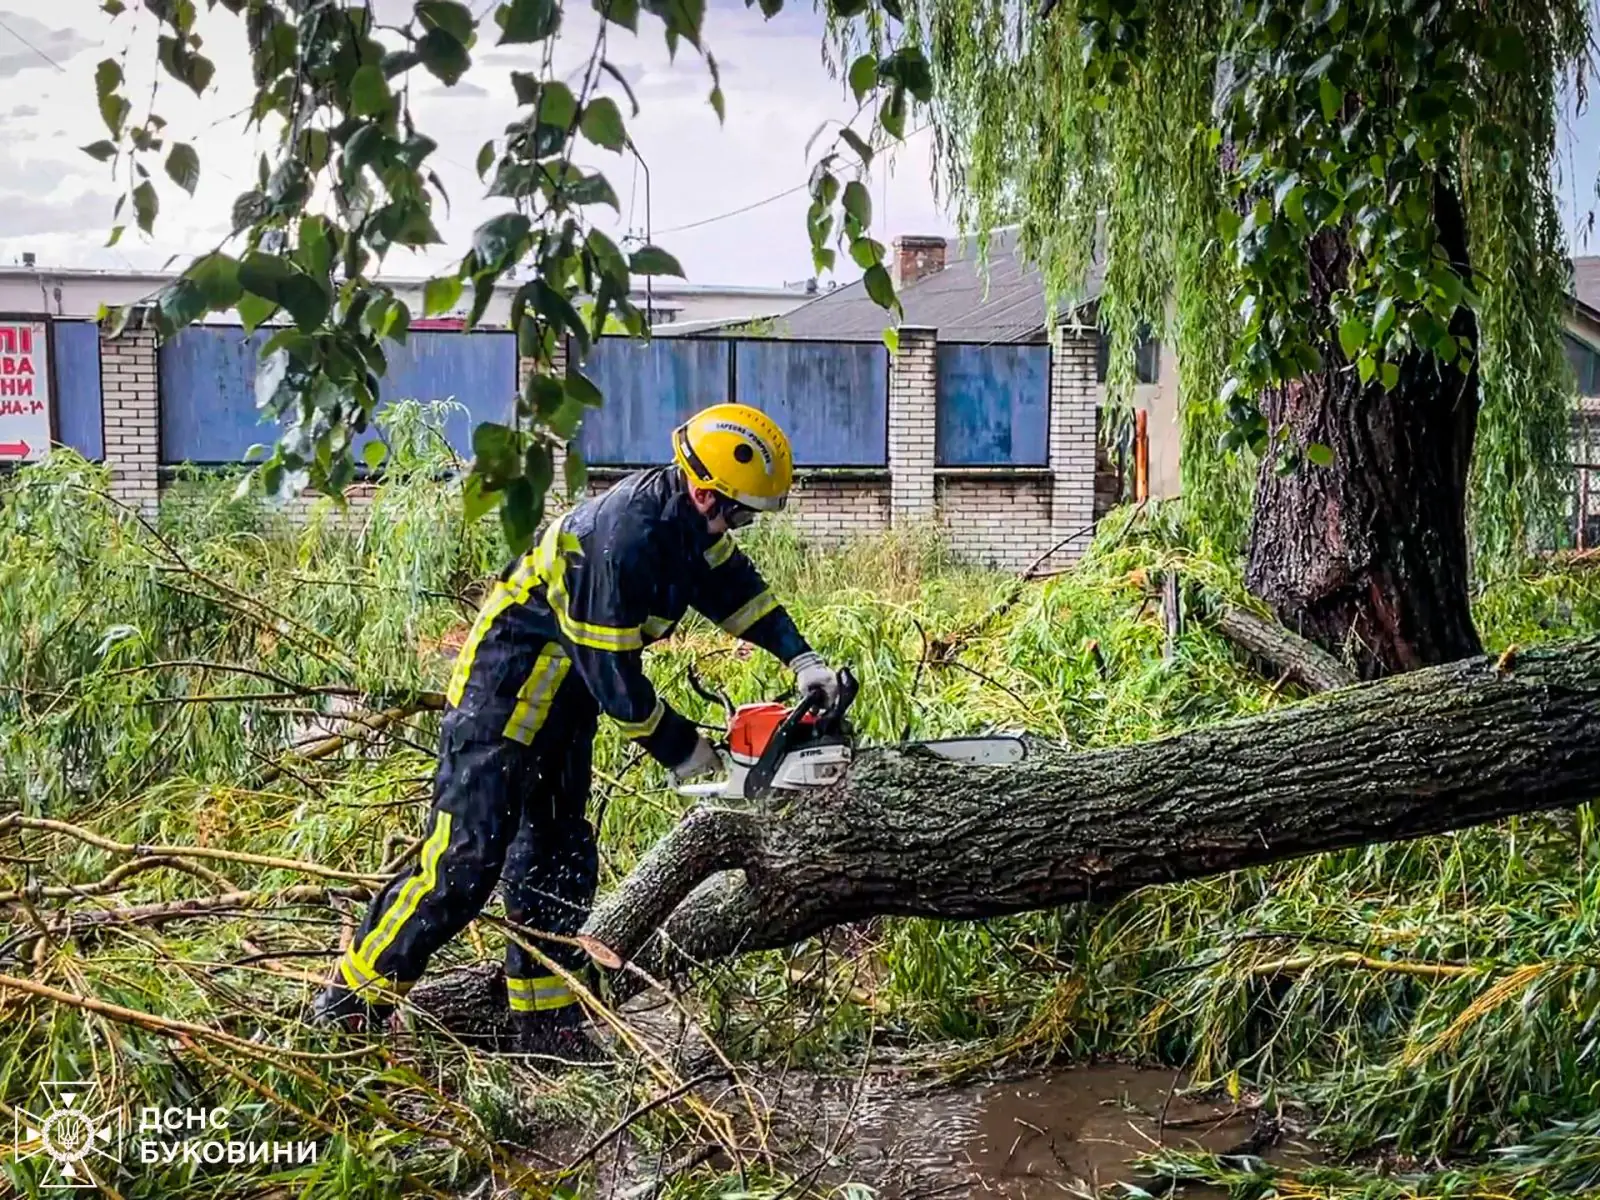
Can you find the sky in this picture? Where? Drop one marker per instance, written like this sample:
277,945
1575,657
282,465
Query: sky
57,203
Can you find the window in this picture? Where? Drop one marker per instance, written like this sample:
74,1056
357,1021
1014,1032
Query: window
1146,358
1585,362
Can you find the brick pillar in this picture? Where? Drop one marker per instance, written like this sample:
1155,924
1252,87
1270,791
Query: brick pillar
913,413
558,368
1074,398
132,423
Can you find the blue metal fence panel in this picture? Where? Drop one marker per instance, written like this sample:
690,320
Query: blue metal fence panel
831,398
208,403
76,361
994,406
649,389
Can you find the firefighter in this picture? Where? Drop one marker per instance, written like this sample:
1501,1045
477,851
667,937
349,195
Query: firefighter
558,644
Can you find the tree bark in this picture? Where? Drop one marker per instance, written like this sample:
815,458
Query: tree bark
1305,662
1367,557
1428,751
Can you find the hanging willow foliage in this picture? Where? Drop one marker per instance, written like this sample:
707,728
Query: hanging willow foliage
1201,147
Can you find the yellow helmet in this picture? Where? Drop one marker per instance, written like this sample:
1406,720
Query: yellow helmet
738,451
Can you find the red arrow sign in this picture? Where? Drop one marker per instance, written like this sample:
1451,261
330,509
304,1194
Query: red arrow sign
14,449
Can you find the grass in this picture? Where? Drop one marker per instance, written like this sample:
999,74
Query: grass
1438,999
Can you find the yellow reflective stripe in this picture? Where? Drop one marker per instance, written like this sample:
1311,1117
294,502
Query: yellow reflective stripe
539,994
359,977
644,728
405,904
586,633
535,695
748,613
720,551
500,599
657,627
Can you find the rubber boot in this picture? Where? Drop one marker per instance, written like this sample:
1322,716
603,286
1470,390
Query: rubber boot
561,1033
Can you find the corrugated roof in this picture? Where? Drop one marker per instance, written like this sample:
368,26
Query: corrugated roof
964,302
1586,280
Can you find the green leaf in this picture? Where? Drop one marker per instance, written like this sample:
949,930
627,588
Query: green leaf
314,252
866,252
582,389
485,158
620,12
880,287
1366,367
845,9
858,203
602,123
445,58
653,260
100,151
116,235
892,113
1390,376
305,299
369,92
373,454
859,144
1382,318
557,104
1319,454
455,19
520,515
495,452
575,473
910,70
440,295
498,241
863,75
145,205
264,275
477,500
183,166
566,419
1352,335
891,339
527,20
253,310
217,276
181,303
1332,98
718,104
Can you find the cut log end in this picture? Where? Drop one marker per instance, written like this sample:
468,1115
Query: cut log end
600,952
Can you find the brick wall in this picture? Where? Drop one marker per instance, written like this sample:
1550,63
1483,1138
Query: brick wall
832,510
997,521
130,403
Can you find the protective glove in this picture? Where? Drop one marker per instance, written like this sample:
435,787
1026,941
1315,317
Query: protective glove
811,674
703,761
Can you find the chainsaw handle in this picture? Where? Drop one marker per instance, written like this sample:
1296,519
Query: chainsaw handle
766,767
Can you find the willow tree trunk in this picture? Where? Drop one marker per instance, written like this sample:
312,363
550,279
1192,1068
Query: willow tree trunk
1367,557
1420,753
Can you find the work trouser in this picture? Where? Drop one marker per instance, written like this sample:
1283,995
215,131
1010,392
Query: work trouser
502,811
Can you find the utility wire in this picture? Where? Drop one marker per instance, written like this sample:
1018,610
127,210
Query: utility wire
799,187
31,46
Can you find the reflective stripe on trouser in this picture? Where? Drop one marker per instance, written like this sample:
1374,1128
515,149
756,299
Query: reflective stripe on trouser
481,787
552,866
539,994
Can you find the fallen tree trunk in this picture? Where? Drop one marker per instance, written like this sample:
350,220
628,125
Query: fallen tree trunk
1420,753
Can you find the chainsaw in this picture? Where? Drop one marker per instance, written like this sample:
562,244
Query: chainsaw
775,748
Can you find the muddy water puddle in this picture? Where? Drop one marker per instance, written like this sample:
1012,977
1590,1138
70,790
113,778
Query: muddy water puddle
1062,1133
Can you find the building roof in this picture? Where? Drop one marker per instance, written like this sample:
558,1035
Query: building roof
965,302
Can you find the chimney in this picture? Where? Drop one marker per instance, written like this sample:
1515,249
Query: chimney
916,256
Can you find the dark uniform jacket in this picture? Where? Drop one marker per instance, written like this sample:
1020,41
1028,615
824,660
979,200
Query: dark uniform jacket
613,575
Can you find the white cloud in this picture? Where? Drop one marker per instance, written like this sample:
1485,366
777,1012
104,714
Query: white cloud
777,93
